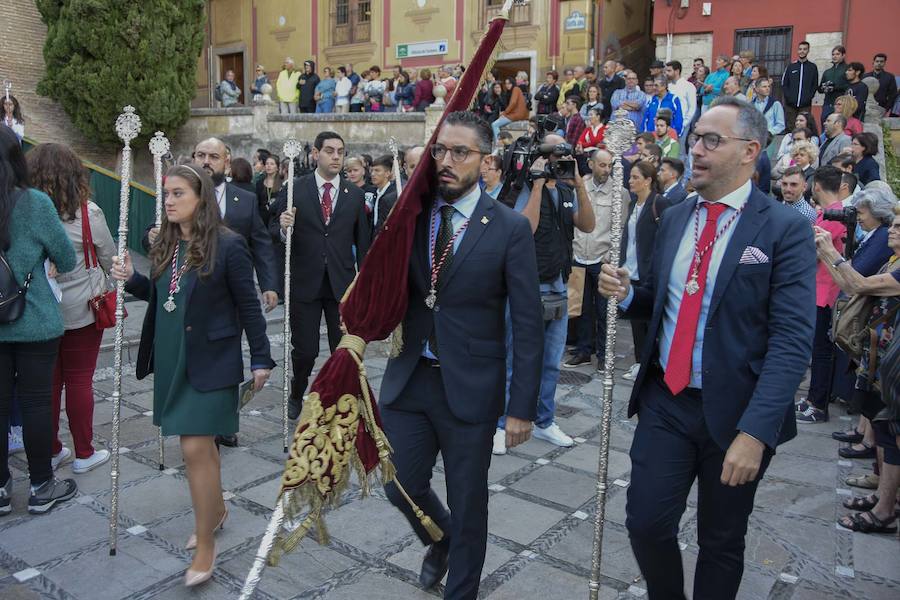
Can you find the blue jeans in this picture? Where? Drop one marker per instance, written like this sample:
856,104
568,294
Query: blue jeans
554,345
496,125
325,106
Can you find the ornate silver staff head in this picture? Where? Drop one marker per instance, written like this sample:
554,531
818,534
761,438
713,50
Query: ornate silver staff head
128,125
619,134
7,85
292,148
159,144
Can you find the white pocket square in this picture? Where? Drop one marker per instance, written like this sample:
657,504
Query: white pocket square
753,256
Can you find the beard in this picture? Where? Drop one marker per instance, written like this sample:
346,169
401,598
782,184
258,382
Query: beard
451,192
217,177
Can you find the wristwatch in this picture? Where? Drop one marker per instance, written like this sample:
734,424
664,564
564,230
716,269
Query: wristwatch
839,262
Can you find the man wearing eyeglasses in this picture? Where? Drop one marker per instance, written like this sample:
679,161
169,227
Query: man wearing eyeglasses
472,257
730,304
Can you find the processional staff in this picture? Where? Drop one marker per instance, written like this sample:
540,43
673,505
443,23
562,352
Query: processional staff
128,126
291,150
618,139
159,147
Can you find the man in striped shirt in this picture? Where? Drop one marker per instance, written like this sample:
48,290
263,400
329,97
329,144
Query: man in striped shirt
632,99
793,187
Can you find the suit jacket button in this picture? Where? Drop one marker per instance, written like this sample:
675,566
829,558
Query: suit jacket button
326,234
437,309
188,328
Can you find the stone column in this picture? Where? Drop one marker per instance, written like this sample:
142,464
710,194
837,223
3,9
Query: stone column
261,111
432,116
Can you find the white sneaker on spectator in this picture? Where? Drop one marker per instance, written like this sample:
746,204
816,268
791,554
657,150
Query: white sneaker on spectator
58,459
83,465
499,442
632,372
16,443
554,435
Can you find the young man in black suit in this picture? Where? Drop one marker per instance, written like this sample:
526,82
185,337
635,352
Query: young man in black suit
472,257
331,236
385,191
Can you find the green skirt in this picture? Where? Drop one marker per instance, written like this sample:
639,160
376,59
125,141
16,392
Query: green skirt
178,407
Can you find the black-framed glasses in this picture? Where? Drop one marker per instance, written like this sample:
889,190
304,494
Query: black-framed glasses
711,140
457,153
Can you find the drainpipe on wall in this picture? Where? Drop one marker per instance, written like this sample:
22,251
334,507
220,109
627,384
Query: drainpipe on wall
209,56
845,23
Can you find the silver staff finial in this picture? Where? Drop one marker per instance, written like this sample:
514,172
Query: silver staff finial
292,148
7,85
159,144
128,125
619,133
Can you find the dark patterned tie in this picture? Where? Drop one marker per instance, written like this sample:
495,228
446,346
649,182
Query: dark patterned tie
444,236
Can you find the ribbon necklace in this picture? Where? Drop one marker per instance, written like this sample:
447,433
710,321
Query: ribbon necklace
175,281
431,298
692,286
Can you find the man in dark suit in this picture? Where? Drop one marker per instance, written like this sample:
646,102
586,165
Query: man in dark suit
331,237
731,329
671,170
385,191
472,256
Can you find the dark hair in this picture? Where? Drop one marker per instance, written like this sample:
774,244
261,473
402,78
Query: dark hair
505,135
804,130
385,160
803,43
858,67
375,68
554,74
496,161
510,80
588,70
665,114
342,69
828,178
850,180
13,174
842,160
880,55
676,164
576,100
201,251
404,75
241,170
647,136
324,136
367,159
676,65
17,109
474,122
57,171
811,123
868,141
262,154
702,62
654,149
647,171
793,170
840,49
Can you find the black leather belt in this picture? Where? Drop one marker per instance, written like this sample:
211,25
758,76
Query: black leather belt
430,362
656,371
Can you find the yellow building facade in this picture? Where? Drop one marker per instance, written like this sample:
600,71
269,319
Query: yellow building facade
540,35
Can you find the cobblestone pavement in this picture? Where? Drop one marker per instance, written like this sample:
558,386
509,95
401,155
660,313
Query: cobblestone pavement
541,502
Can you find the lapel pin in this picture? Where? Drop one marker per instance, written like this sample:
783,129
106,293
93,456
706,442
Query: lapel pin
345,191
484,220
235,198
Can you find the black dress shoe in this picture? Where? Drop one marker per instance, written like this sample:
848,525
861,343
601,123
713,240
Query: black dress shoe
435,564
294,409
851,452
844,436
227,440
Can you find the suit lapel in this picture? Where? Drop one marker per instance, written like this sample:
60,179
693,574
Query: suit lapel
478,223
681,214
748,227
234,208
421,248
314,204
338,192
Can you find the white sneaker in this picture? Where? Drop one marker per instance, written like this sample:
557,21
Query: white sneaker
632,372
83,465
554,435
16,443
58,459
499,442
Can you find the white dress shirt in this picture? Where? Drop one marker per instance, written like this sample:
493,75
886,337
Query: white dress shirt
220,198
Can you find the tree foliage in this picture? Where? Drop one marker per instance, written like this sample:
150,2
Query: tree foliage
102,55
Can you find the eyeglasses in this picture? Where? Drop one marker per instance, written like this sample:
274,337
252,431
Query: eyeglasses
711,141
457,153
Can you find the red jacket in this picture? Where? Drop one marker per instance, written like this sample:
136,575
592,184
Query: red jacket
423,95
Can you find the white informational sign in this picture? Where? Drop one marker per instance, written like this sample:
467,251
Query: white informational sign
575,21
422,49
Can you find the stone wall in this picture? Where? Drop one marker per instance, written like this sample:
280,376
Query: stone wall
260,126
685,48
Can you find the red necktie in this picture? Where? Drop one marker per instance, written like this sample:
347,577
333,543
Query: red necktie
326,201
678,368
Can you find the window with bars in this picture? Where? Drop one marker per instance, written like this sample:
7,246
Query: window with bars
350,21
772,47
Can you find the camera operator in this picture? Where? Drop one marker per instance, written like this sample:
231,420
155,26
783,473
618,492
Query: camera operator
555,201
826,187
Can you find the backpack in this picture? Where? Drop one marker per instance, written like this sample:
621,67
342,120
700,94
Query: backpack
217,92
12,296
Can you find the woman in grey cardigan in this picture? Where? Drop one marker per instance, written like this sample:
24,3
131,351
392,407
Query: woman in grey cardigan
56,171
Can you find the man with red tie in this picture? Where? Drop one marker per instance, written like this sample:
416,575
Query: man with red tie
331,237
731,303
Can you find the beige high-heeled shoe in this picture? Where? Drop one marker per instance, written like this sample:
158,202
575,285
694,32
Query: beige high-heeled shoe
194,578
192,541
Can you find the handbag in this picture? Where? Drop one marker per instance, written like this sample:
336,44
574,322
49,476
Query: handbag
12,295
103,303
554,306
850,320
575,290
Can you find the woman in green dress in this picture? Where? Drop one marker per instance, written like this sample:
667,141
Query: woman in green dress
201,295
